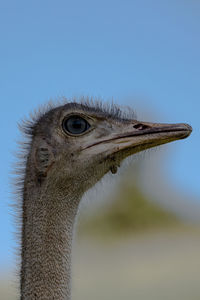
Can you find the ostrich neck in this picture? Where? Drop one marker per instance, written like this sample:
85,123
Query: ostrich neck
48,219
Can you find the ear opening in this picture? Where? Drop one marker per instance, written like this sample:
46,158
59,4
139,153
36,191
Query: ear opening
44,158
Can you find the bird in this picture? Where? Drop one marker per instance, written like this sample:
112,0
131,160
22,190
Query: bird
68,148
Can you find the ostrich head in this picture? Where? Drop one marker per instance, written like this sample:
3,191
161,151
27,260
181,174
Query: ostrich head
77,144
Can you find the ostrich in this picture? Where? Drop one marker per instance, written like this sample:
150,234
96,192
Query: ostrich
70,148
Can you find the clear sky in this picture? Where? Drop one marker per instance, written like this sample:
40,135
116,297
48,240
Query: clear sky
144,51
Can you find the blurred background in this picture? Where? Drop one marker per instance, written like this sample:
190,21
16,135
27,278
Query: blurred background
141,238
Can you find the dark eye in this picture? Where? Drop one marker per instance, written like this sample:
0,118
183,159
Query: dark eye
75,125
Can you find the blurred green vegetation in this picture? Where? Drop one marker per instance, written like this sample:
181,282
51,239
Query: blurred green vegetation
128,210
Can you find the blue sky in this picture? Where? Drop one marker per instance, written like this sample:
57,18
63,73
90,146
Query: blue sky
140,53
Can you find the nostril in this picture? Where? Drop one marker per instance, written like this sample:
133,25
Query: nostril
140,126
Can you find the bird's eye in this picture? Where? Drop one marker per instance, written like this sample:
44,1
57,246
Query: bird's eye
75,125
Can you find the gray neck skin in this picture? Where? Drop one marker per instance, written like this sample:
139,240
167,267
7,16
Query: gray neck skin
48,219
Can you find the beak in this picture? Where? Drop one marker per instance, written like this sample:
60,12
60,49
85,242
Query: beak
148,135
137,136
